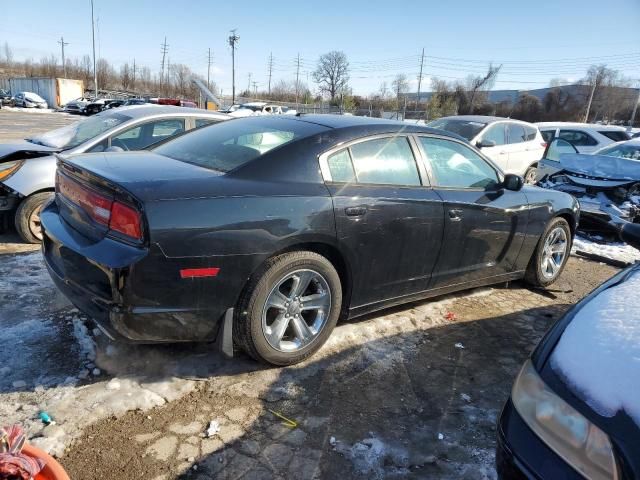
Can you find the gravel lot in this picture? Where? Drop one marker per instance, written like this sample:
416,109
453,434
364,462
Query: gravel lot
412,392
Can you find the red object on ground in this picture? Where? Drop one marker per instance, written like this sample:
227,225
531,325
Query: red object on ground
52,469
450,316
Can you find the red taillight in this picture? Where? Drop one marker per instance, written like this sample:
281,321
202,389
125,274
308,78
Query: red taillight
544,144
115,215
125,220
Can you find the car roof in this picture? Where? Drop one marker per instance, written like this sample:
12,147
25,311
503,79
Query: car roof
351,121
476,118
595,126
138,111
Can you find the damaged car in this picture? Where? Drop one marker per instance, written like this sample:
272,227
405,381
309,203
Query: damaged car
605,182
27,169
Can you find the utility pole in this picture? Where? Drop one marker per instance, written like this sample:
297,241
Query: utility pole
270,71
635,109
165,49
297,78
133,83
209,69
64,65
249,84
233,38
593,90
420,79
255,88
93,41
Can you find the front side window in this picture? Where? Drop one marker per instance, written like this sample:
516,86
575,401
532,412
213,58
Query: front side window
577,138
495,133
547,135
385,161
202,122
147,134
456,166
516,133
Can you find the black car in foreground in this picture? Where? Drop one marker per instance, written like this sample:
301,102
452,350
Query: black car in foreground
574,411
271,228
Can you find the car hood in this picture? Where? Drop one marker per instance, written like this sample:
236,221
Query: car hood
602,167
19,150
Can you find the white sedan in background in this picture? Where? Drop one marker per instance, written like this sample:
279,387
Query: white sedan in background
29,100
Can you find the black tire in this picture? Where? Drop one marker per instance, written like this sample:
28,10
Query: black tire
534,274
530,176
29,232
248,331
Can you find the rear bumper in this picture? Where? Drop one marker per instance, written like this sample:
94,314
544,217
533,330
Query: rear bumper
114,284
521,455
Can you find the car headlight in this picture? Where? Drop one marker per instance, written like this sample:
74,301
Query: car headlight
567,432
9,168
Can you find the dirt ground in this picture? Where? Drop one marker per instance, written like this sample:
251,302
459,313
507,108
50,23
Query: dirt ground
412,392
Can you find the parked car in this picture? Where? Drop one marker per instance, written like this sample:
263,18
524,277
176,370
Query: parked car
606,181
135,101
573,412
513,145
27,169
99,105
256,108
586,137
78,105
29,100
6,98
267,229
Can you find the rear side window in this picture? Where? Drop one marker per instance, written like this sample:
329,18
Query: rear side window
235,142
385,161
577,138
547,135
516,133
530,132
167,128
341,167
616,136
201,122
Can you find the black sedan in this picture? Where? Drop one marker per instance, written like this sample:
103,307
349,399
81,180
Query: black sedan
574,412
268,229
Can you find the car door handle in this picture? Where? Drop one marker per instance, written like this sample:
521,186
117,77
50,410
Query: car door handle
501,153
355,211
455,215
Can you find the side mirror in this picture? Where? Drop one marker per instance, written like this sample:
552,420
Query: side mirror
485,143
513,182
114,148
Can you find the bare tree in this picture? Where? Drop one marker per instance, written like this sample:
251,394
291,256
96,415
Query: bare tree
125,76
400,86
8,54
478,84
332,73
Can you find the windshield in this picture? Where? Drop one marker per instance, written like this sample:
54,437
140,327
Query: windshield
228,145
34,97
80,132
622,150
464,128
253,108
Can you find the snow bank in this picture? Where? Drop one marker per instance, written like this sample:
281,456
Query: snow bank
29,110
599,352
615,251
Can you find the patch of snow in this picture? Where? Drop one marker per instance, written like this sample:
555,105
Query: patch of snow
374,458
459,345
440,436
615,251
30,110
213,428
599,353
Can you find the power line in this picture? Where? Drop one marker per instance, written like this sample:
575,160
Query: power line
233,39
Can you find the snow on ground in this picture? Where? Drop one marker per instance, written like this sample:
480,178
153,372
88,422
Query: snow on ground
614,250
31,110
599,352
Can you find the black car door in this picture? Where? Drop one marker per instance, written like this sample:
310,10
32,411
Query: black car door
484,224
388,218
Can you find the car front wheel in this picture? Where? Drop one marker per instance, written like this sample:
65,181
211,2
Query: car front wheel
530,176
289,310
28,217
551,254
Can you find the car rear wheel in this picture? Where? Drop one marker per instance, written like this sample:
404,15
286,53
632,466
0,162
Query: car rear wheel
530,176
290,308
28,217
551,254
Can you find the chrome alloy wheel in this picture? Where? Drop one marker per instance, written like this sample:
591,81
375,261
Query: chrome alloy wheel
296,310
554,252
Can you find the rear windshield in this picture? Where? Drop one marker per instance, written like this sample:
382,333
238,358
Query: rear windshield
80,132
464,128
616,136
230,144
